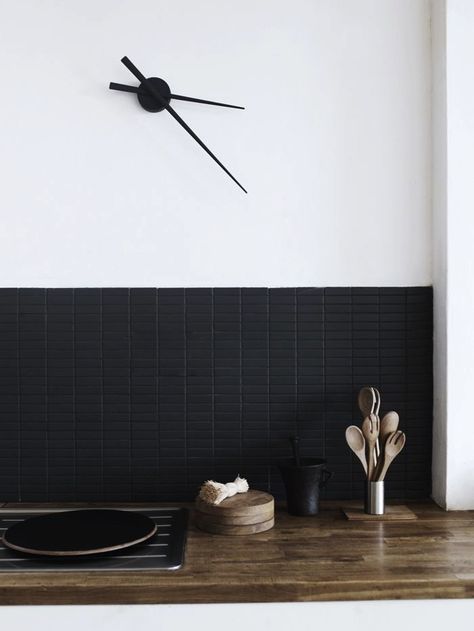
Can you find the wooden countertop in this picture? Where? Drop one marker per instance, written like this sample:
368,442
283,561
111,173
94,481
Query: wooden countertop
301,559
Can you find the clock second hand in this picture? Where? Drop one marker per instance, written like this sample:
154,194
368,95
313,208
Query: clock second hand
155,93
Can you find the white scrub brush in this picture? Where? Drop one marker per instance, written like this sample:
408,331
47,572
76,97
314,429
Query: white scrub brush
214,492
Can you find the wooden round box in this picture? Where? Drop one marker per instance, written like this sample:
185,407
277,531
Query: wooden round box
243,514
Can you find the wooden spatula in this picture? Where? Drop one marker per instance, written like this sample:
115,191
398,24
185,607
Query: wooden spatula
366,401
369,403
378,400
371,430
393,446
356,442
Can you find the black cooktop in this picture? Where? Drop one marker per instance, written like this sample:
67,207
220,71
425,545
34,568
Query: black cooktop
79,532
163,549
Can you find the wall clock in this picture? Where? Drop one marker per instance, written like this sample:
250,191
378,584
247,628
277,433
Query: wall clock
154,95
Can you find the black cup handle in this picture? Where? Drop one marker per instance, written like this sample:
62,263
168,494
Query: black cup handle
326,476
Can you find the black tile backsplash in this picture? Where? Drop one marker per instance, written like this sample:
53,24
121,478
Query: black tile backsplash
141,394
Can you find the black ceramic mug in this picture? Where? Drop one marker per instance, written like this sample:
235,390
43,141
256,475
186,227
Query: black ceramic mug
302,483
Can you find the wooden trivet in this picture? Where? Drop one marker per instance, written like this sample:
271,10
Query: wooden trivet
392,513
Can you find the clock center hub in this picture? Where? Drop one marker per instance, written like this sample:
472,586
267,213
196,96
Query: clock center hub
147,101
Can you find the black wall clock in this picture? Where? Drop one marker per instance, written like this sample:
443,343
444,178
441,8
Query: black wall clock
154,95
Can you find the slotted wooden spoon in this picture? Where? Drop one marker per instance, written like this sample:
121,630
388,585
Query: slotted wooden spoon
378,400
393,446
371,430
369,403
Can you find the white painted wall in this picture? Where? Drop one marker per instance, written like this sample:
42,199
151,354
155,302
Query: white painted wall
454,272
460,265
333,148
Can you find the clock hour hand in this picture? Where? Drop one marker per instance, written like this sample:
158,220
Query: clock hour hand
155,93
133,69
179,97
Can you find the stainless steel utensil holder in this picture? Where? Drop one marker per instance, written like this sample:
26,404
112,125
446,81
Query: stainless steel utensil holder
374,498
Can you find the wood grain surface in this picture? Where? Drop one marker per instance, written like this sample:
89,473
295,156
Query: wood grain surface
325,557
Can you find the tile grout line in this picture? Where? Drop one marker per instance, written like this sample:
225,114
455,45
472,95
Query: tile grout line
352,387
323,331
405,385
185,353
213,393
295,309
46,366
269,419
130,432
241,400
379,360
19,410
74,417
101,338
157,388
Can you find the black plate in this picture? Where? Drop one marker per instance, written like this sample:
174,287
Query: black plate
79,532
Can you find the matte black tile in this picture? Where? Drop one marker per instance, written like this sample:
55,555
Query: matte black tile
141,393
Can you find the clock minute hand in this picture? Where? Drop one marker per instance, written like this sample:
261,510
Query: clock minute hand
179,97
200,142
155,93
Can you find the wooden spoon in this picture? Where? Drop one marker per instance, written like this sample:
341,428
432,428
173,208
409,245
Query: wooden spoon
371,430
388,424
393,446
366,400
356,441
